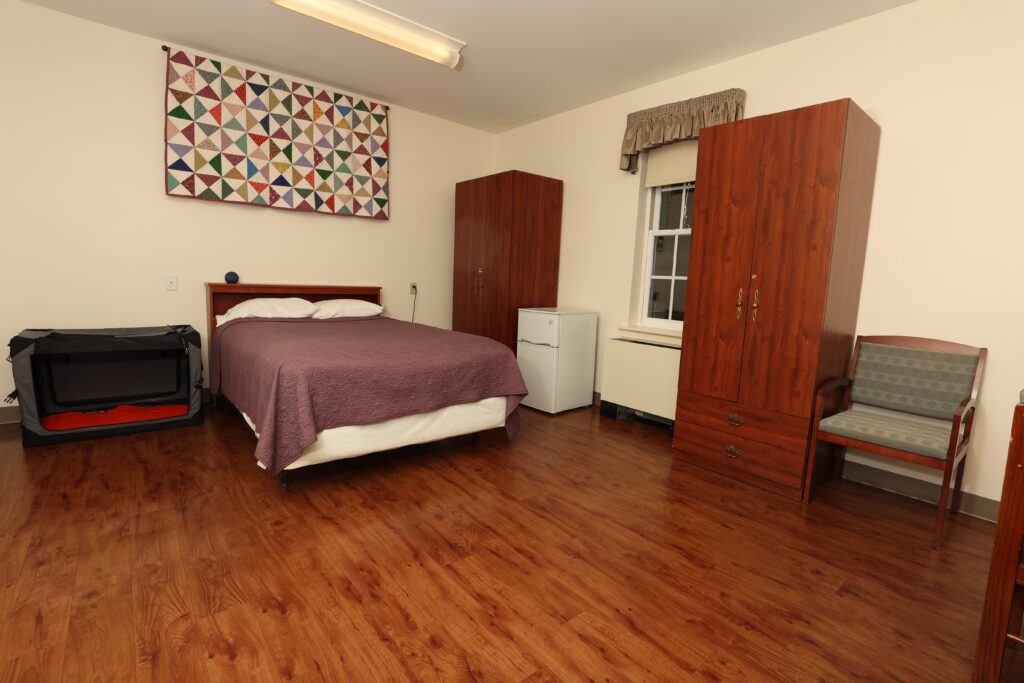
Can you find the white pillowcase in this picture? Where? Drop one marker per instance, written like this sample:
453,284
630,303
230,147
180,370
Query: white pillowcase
269,308
346,308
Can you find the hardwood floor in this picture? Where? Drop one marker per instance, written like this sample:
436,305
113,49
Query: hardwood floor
582,550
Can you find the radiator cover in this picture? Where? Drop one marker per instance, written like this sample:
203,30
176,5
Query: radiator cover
641,375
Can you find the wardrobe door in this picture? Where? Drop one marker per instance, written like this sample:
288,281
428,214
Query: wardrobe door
492,268
803,153
725,205
470,230
534,248
483,219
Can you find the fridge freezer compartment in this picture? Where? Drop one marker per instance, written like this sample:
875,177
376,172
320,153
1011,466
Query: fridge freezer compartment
538,327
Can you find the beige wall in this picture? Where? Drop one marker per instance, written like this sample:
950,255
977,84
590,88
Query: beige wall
88,234
942,79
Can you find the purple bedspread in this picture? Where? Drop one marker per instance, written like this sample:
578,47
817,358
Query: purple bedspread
297,377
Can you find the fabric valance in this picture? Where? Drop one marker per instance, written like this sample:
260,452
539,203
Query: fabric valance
669,123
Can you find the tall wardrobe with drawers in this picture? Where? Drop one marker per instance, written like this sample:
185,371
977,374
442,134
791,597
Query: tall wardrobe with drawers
508,229
779,235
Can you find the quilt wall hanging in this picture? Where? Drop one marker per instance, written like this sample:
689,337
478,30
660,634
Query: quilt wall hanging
236,134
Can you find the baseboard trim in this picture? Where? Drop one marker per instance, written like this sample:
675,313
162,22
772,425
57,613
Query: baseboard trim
970,504
10,415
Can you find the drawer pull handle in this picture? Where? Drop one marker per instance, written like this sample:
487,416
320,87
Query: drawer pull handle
731,451
735,419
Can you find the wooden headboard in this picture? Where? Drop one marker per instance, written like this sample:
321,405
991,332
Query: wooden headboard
221,296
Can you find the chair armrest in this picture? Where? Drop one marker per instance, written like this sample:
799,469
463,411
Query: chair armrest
968,404
830,385
964,415
826,388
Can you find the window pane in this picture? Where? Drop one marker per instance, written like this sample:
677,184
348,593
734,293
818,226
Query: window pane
663,248
657,307
683,255
678,299
688,218
671,207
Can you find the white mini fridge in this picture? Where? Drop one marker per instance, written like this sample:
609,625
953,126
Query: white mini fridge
556,352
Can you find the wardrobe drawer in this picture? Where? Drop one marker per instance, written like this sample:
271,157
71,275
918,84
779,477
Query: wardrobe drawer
768,427
737,456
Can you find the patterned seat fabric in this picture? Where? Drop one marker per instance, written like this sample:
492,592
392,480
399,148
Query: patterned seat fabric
908,432
917,381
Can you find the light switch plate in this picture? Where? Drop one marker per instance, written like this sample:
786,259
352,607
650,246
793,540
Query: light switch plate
171,283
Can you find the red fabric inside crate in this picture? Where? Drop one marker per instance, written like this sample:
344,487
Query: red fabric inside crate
122,414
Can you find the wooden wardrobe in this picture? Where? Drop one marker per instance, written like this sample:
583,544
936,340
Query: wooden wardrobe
508,230
780,227
1004,597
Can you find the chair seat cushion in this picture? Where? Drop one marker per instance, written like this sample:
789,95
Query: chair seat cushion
904,431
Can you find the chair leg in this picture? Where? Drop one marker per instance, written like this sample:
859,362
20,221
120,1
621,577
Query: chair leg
955,507
943,500
840,461
809,472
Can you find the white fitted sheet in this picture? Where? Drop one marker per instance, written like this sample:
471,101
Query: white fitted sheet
339,443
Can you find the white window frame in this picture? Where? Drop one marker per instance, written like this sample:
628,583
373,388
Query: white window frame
650,235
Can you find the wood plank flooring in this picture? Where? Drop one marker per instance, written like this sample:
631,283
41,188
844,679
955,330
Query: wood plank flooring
581,551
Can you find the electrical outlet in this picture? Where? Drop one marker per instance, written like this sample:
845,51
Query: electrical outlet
412,288
171,283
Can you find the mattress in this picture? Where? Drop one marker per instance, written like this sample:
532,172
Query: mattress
352,441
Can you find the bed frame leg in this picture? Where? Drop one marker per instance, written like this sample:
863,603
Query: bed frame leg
284,480
475,439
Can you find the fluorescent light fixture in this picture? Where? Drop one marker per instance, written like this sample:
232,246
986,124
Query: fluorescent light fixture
383,26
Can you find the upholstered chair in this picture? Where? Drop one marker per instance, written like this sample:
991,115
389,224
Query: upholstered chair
908,398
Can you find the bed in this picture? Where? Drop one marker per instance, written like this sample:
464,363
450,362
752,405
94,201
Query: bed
314,391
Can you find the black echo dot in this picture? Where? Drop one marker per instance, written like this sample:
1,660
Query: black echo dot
231,277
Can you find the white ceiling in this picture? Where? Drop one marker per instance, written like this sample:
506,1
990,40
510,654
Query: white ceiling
525,59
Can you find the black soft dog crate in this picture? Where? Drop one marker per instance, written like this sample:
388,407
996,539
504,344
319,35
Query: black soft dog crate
80,384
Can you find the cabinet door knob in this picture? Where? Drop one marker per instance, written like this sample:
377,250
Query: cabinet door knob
739,304
735,419
756,304
732,452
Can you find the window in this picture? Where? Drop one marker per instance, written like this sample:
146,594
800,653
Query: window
667,255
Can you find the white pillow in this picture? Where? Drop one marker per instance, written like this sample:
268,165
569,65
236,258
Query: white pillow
269,308
346,308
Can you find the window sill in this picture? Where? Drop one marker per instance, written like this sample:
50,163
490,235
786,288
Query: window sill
658,334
